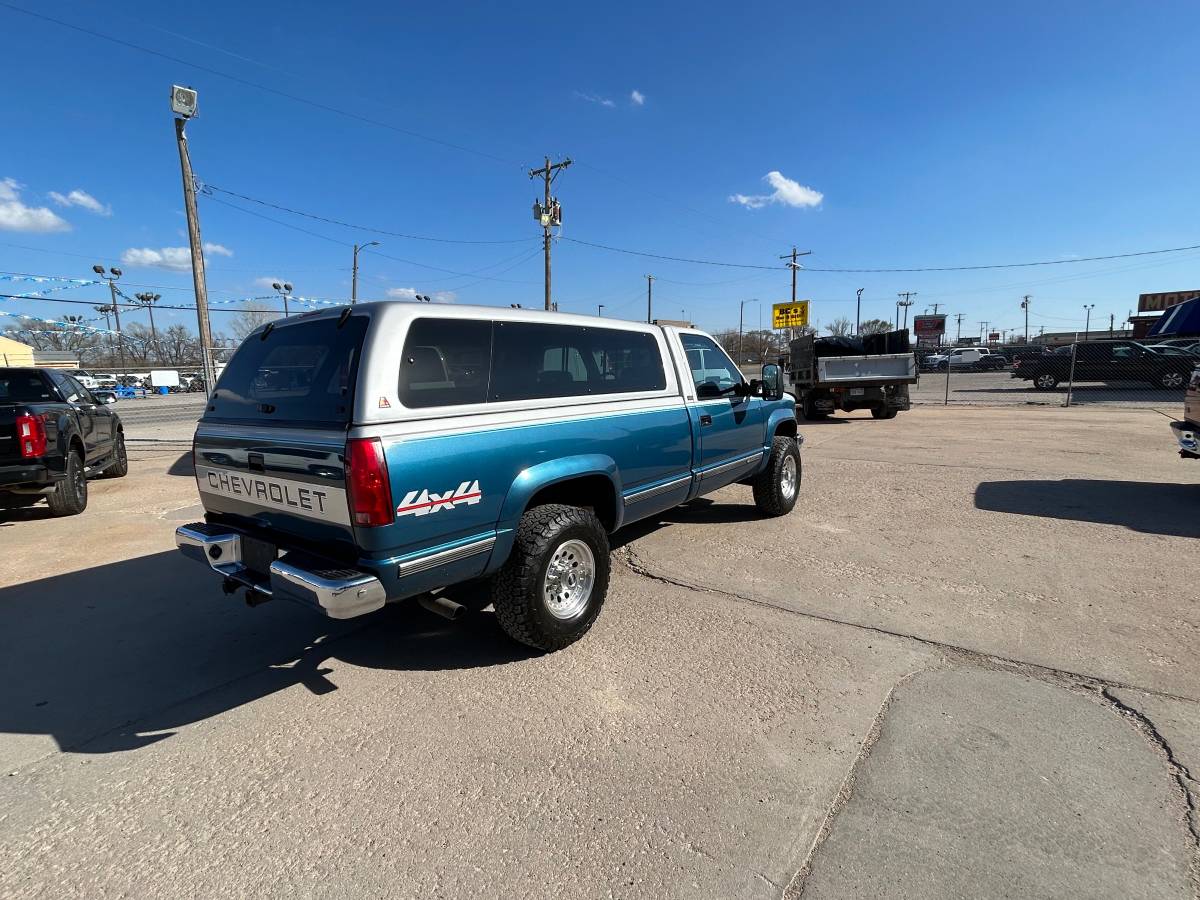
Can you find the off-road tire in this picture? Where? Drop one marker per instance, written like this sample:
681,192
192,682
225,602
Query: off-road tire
69,497
770,490
883,413
119,467
518,588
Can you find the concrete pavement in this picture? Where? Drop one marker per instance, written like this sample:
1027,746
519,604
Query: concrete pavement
964,666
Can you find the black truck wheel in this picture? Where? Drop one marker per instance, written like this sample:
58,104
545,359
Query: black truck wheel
119,467
1171,379
69,497
883,412
778,485
1045,382
550,590
809,410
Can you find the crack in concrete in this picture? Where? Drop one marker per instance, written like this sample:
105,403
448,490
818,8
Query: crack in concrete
1183,778
1077,682
966,654
795,886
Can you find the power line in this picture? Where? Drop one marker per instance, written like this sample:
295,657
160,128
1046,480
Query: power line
698,262
299,212
261,87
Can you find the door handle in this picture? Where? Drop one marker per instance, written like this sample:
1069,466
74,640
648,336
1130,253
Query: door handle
705,419
255,462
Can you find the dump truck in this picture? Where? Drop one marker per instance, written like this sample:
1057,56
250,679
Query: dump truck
848,373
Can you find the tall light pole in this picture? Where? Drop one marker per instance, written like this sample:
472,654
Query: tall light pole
600,309
741,310
858,310
184,102
147,300
285,291
354,270
649,299
111,278
1025,306
1087,327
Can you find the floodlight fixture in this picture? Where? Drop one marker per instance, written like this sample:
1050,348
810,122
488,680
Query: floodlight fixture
183,101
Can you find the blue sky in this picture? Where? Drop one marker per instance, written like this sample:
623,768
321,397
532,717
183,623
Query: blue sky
905,135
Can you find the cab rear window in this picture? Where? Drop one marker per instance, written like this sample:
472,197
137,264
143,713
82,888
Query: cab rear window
294,373
17,386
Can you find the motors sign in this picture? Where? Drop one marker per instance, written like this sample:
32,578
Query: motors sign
929,326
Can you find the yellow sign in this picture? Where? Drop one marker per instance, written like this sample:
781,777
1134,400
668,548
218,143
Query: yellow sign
789,315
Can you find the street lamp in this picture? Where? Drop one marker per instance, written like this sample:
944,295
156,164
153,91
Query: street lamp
741,308
147,300
1025,306
285,291
1087,308
354,269
111,277
600,309
858,310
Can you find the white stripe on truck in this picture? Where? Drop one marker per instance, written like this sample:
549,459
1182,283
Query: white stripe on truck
299,498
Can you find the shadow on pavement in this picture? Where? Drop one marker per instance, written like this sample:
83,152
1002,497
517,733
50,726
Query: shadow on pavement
702,511
1149,507
113,652
183,466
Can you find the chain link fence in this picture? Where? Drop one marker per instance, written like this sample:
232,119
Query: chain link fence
1110,372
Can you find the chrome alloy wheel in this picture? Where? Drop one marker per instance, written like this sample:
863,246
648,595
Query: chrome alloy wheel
787,477
567,587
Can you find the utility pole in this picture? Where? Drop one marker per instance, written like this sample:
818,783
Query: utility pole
147,301
935,308
1112,320
183,104
958,317
1025,306
794,266
354,270
649,295
549,211
858,310
906,303
983,332
116,310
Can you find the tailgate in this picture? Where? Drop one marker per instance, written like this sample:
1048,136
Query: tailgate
270,450
892,368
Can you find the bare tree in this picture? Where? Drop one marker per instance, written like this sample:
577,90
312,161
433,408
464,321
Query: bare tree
249,317
46,336
840,327
179,346
875,326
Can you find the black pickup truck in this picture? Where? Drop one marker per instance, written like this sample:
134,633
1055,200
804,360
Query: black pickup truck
1104,361
54,435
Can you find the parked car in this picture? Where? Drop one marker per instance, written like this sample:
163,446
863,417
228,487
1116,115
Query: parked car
1104,361
1187,343
1191,351
54,436
353,457
967,358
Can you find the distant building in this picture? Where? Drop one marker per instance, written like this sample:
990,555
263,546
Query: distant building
1152,306
16,353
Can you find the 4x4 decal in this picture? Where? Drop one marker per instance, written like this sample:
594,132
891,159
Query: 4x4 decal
424,502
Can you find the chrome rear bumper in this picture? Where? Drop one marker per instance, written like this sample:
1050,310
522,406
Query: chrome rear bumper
338,593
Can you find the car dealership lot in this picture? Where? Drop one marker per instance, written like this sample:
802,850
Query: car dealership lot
965,665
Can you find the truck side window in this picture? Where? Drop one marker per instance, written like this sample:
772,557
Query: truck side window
708,363
535,361
445,363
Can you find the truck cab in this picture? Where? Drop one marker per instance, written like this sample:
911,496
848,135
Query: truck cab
354,457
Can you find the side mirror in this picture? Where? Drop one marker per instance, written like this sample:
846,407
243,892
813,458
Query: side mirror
772,382
742,390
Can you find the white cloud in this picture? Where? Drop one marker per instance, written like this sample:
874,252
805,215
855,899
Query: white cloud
638,98
787,192
594,98
217,250
82,199
411,294
178,259
16,216
267,282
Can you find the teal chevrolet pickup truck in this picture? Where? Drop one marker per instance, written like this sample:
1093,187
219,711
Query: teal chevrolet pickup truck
362,455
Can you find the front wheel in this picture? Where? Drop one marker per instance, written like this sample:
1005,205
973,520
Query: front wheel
119,467
883,412
550,590
1045,382
778,485
1171,380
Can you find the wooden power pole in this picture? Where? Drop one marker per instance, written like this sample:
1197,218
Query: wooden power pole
794,266
548,211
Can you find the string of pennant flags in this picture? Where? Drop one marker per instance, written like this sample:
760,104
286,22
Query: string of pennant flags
74,326
64,284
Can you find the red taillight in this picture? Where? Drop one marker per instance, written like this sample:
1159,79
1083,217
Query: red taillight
367,481
31,435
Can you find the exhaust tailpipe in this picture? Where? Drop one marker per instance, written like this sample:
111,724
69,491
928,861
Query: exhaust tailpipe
442,606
